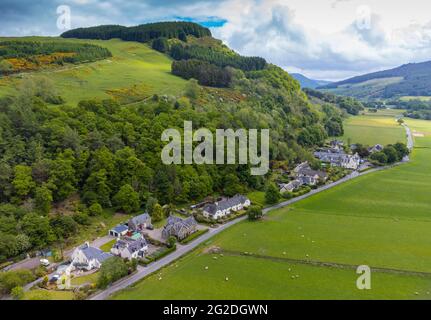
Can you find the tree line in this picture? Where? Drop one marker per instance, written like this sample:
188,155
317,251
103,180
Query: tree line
217,57
142,33
31,51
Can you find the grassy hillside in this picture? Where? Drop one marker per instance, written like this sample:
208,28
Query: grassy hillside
380,220
134,72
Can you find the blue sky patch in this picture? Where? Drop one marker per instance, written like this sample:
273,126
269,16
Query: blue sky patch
209,22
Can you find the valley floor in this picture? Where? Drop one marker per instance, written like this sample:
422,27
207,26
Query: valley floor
310,250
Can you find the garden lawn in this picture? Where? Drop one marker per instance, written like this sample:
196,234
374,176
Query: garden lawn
89,278
107,246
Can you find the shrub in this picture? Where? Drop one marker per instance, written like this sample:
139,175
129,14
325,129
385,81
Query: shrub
95,209
111,270
254,213
272,195
171,241
17,293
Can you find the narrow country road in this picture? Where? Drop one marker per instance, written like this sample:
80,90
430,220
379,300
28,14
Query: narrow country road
183,249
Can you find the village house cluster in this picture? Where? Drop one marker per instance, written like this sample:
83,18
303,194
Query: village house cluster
132,239
334,155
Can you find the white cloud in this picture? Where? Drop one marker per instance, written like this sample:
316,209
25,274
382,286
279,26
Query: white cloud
323,38
320,38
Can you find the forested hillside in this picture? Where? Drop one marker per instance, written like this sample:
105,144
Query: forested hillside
413,79
105,154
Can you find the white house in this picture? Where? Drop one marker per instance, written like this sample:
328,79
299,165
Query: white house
88,258
130,249
225,207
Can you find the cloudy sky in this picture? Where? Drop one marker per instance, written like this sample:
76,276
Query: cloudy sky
323,39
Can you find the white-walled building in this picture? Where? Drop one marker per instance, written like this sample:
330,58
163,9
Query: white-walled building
225,207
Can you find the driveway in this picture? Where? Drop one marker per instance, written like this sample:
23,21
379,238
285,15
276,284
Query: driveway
33,263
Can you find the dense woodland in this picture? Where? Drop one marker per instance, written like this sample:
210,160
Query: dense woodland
141,33
207,73
217,57
108,156
17,56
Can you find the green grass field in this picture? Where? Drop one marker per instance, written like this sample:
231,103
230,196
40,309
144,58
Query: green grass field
373,128
381,220
410,98
135,72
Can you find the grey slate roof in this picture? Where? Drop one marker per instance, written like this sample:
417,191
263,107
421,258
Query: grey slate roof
94,253
131,245
176,226
212,208
137,245
141,219
120,228
312,173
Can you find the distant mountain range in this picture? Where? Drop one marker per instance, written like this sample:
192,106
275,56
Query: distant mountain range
413,79
307,82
